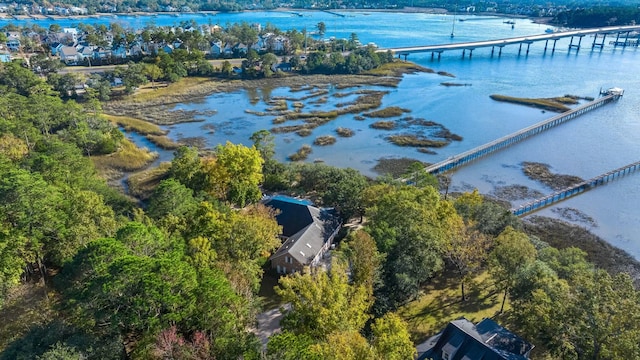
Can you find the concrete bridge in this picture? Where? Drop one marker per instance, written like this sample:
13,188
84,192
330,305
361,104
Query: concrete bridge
622,35
508,140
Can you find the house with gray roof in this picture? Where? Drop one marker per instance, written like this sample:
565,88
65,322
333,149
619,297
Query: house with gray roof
462,340
307,233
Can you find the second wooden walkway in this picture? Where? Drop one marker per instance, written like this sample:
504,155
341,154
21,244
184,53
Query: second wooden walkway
575,190
503,142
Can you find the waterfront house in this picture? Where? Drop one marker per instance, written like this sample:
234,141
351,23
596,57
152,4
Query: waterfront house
307,233
216,49
13,45
461,340
70,55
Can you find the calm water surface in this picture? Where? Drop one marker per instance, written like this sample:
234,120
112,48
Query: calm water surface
592,144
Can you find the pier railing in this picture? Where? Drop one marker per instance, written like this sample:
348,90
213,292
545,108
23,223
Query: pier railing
574,190
503,142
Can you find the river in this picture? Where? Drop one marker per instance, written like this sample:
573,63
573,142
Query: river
592,144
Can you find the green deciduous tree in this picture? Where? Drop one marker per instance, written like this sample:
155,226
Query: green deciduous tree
513,252
364,259
466,250
391,339
323,303
411,227
234,174
289,346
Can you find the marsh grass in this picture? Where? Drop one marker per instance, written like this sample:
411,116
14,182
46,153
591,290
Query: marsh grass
142,184
301,154
454,84
140,126
415,141
344,132
163,142
383,125
391,111
127,158
397,68
324,140
444,73
395,167
550,104
426,151
277,105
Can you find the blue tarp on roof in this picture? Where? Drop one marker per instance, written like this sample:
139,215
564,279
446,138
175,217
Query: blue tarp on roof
291,200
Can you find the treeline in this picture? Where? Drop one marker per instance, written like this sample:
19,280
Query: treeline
599,16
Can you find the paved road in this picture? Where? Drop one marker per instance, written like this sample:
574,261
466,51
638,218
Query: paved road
101,69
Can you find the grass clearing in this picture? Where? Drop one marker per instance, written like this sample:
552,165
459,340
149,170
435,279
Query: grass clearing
27,306
182,87
441,303
142,184
132,124
127,158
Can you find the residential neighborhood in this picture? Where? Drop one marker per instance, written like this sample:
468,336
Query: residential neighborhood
90,46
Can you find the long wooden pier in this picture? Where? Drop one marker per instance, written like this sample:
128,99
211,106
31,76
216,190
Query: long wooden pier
622,34
505,141
575,190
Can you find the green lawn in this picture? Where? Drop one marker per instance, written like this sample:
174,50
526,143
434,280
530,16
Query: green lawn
441,303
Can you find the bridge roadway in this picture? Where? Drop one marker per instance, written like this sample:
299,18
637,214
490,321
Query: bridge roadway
575,190
404,51
505,141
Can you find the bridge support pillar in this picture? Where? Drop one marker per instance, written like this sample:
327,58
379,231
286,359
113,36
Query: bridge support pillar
546,42
598,44
626,39
529,44
617,38
520,49
492,49
554,46
432,55
577,46
439,53
500,51
463,50
470,53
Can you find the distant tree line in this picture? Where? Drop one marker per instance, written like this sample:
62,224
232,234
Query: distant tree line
599,16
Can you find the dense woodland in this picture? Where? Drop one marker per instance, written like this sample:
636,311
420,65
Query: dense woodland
176,277
599,16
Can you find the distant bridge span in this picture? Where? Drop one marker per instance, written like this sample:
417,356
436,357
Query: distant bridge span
622,39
